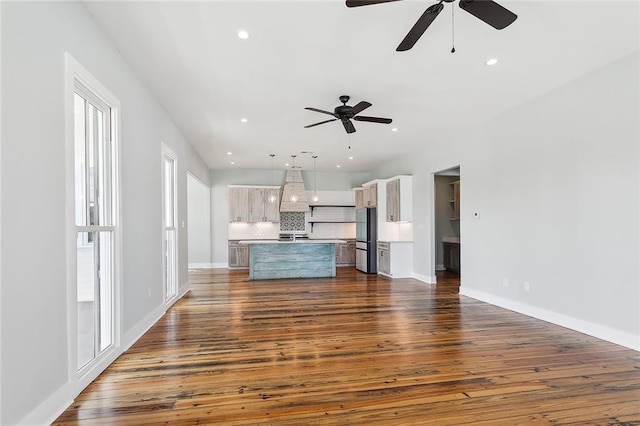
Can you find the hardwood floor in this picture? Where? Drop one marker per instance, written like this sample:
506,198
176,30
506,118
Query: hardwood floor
357,350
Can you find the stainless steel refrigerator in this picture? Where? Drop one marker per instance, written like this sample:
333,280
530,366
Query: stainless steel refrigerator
366,240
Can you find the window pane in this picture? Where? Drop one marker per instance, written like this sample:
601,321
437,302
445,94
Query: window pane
86,279
168,192
95,296
79,115
171,287
105,289
91,157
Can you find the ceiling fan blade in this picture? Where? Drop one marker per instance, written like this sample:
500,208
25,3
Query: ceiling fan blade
490,12
357,3
348,126
317,124
420,27
373,119
359,107
319,110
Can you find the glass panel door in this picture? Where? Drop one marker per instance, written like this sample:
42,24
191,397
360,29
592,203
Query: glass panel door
95,226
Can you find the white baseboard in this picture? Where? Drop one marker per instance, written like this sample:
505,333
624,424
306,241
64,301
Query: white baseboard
201,265
220,265
49,410
609,334
440,267
425,278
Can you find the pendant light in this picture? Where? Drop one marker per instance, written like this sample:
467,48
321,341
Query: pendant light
294,196
272,194
315,181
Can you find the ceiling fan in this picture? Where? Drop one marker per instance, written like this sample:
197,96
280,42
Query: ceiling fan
345,113
486,10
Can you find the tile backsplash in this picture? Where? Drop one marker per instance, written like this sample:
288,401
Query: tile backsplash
292,221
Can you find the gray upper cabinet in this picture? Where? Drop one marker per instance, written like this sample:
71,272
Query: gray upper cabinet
253,205
393,200
399,195
359,195
261,209
238,204
371,195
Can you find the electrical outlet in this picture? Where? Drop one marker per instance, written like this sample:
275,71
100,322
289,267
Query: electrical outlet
505,282
527,286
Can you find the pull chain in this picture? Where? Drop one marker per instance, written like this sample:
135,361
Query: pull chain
453,48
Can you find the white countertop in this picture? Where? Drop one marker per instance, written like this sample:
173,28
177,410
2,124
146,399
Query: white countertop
302,241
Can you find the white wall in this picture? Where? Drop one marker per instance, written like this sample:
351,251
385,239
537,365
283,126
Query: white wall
338,181
556,183
35,36
199,223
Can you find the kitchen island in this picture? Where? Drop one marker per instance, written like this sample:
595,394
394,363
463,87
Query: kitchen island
269,259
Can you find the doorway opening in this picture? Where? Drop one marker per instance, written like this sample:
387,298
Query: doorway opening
446,226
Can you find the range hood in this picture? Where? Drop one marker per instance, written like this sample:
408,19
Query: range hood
294,185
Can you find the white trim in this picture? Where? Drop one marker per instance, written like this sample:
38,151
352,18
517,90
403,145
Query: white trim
0,225
201,265
596,330
220,265
440,267
166,152
424,278
74,71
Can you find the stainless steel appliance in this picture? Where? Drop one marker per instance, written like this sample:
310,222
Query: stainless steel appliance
293,235
366,240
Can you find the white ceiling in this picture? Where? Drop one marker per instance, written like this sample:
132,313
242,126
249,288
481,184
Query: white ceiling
307,53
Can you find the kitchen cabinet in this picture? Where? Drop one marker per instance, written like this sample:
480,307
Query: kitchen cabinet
370,195
261,209
238,204
238,255
455,200
252,204
359,195
395,259
346,253
399,193
384,259
451,256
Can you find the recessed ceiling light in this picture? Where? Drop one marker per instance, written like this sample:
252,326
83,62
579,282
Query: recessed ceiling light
491,61
233,162
338,166
286,164
351,158
244,120
242,34
395,129
229,152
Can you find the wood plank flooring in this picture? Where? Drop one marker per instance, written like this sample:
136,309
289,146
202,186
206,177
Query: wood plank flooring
357,350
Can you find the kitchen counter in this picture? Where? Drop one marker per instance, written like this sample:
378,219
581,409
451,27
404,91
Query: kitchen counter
270,259
299,241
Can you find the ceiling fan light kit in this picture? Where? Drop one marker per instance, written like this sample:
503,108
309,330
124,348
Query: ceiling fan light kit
487,11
